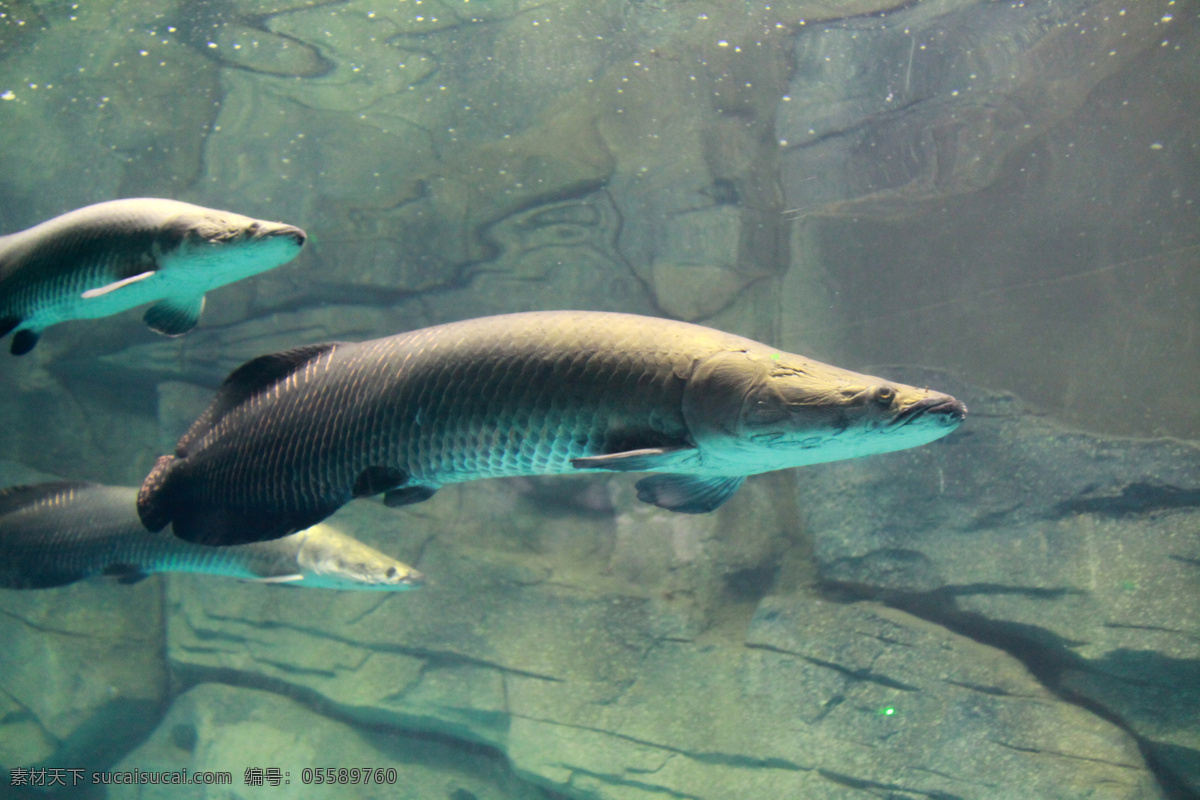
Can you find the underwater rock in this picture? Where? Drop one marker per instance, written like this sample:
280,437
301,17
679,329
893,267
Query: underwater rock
628,657
694,272
96,110
82,678
627,156
1025,285
1074,550
262,736
206,358
14,473
415,141
236,36
86,430
431,139
886,112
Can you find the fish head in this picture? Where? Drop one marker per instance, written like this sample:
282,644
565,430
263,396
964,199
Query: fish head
209,248
772,410
329,558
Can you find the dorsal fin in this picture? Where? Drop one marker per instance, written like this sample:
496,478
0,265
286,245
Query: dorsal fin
16,498
248,380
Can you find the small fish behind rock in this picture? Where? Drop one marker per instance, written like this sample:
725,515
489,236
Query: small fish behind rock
105,258
54,534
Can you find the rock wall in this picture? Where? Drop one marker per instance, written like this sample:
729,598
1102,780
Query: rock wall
1007,190
1078,553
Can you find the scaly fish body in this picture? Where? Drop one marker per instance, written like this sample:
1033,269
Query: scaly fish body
54,534
109,257
293,436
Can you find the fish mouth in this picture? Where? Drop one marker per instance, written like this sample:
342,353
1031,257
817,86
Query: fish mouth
945,410
297,235
271,231
415,580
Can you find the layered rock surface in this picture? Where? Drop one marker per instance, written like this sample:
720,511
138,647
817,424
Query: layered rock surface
211,727
602,691
1005,188
1077,552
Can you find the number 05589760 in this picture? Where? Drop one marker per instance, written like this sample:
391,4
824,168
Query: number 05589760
347,775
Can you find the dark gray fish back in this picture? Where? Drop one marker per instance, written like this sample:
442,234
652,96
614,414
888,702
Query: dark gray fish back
53,534
492,397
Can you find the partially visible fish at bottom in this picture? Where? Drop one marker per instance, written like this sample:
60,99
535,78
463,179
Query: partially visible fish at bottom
54,534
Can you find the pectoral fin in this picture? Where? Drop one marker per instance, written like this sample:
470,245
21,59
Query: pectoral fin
646,460
20,344
687,494
279,579
100,291
24,341
126,573
407,495
374,480
174,316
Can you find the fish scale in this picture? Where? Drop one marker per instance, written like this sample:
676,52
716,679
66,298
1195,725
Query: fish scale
105,258
498,402
54,534
62,280
290,437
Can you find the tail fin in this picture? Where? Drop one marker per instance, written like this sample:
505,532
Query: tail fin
163,501
154,504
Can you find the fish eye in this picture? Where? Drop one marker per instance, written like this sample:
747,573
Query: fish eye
884,395
391,572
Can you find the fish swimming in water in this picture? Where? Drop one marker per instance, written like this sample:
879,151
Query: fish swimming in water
105,258
54,534
291,437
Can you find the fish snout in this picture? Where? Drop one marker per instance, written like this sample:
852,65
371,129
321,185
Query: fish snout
940,408
297,235
951,411
277,230
413,580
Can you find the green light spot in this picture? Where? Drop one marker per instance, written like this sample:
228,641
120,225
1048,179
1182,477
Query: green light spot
775,356
887,711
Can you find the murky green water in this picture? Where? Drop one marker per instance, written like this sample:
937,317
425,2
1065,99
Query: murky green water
996,200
